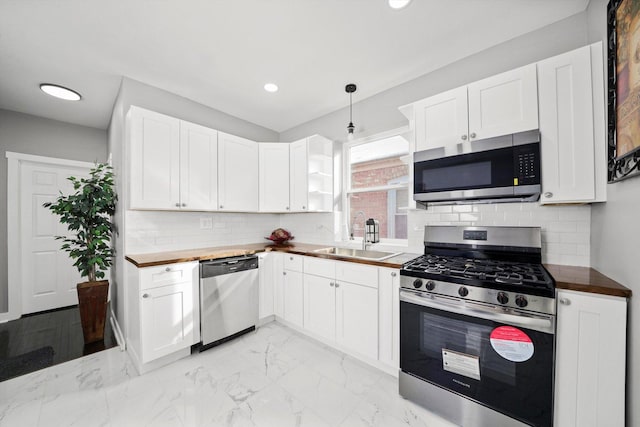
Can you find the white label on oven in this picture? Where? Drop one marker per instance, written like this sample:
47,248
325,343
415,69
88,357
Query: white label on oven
511,343
461,363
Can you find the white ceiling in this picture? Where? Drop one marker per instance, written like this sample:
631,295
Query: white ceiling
221,52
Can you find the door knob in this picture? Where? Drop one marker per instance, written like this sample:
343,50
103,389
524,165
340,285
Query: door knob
463,137
284,273
145,295
331,284
177,205
184,204
337,285
548,194
167,269
221,206
393,274
565,301
472,135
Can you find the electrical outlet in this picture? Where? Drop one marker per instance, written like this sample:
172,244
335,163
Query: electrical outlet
206,223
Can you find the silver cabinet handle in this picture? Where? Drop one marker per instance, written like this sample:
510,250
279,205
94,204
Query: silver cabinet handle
337,285
304,207
184,204
284,273
472,135
463,137
331,284
167,269
548,194
145,295
565,301
221,206
393,274
177,205
291,258
287,207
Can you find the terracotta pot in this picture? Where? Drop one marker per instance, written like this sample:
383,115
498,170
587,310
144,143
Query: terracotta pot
92,302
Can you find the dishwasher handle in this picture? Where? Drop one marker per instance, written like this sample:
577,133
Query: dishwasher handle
227,266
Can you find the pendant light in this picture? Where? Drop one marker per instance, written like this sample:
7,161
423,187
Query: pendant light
350,88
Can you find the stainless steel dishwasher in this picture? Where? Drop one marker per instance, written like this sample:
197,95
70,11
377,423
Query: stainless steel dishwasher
228,298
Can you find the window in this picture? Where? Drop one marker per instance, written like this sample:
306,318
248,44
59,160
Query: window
377,184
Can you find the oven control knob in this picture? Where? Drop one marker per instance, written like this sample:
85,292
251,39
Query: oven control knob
503,298
521,301
463,292
417,283
431,285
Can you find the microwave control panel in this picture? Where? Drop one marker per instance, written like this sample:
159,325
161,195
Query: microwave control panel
527,164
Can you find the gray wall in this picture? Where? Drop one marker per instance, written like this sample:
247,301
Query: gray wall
142,95
615,234
22,133
380,112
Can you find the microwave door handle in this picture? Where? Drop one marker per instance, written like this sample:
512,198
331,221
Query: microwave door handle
469,308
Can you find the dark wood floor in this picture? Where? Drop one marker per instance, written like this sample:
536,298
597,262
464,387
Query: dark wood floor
58,329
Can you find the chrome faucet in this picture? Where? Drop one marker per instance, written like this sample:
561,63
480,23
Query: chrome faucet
364,228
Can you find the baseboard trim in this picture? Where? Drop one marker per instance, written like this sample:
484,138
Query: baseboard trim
117,331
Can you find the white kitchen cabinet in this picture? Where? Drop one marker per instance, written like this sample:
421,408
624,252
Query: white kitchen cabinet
237,174
590,360
293,297
311,175
172,164
503,104
154,165
266,288
499,105
573,150
389,317
274,177
162,312
339,310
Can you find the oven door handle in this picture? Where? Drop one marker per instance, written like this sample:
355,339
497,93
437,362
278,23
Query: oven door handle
473,309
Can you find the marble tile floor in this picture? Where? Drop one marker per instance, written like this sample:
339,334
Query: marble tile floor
273,377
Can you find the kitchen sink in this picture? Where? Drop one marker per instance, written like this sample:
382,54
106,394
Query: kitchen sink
357,253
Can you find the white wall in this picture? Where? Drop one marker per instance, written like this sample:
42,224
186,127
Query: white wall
615,240
23,133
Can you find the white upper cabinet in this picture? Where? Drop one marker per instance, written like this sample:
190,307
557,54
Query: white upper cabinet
274,177
198,167
154,160
172,164
572,146
503,104
298,173
499,105
442,120
237,174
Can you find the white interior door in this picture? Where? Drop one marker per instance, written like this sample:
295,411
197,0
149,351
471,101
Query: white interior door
48,277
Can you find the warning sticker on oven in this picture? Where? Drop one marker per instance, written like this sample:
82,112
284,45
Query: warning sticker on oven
461,363
511,343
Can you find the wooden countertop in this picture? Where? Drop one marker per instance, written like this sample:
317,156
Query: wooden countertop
585,279
170,257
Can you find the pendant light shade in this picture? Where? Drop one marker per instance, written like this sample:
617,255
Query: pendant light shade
350,88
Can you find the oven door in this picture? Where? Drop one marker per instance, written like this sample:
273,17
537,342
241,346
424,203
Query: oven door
501,360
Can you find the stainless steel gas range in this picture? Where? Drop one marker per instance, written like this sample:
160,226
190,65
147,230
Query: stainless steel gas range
477,325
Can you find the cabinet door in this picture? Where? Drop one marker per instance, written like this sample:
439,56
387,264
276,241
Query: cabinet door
566,127
293,300
389,317
237,174
441,120
278,285
298,170
320,306
198,167
166,320
155,160
274,177
357,318
503,104
590,360
266,289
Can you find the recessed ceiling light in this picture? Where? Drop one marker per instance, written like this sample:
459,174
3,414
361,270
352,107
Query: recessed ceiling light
60,92
271,87
398,4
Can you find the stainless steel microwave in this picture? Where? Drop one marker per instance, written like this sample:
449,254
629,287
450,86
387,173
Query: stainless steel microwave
500,169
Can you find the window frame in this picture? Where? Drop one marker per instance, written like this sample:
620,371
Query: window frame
403,132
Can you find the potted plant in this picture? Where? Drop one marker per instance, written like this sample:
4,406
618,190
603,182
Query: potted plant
87,214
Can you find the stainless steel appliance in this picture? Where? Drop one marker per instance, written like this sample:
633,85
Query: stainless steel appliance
477,325
228,298
500,169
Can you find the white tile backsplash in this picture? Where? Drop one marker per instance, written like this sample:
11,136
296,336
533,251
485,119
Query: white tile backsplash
565,229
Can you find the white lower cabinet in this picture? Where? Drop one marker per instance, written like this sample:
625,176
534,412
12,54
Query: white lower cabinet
389,317
162,312
266,287
320,306
357,317
590,360
292,297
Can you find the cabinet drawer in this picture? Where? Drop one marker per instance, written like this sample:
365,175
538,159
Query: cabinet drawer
292,262
169,274
357,273
320,267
